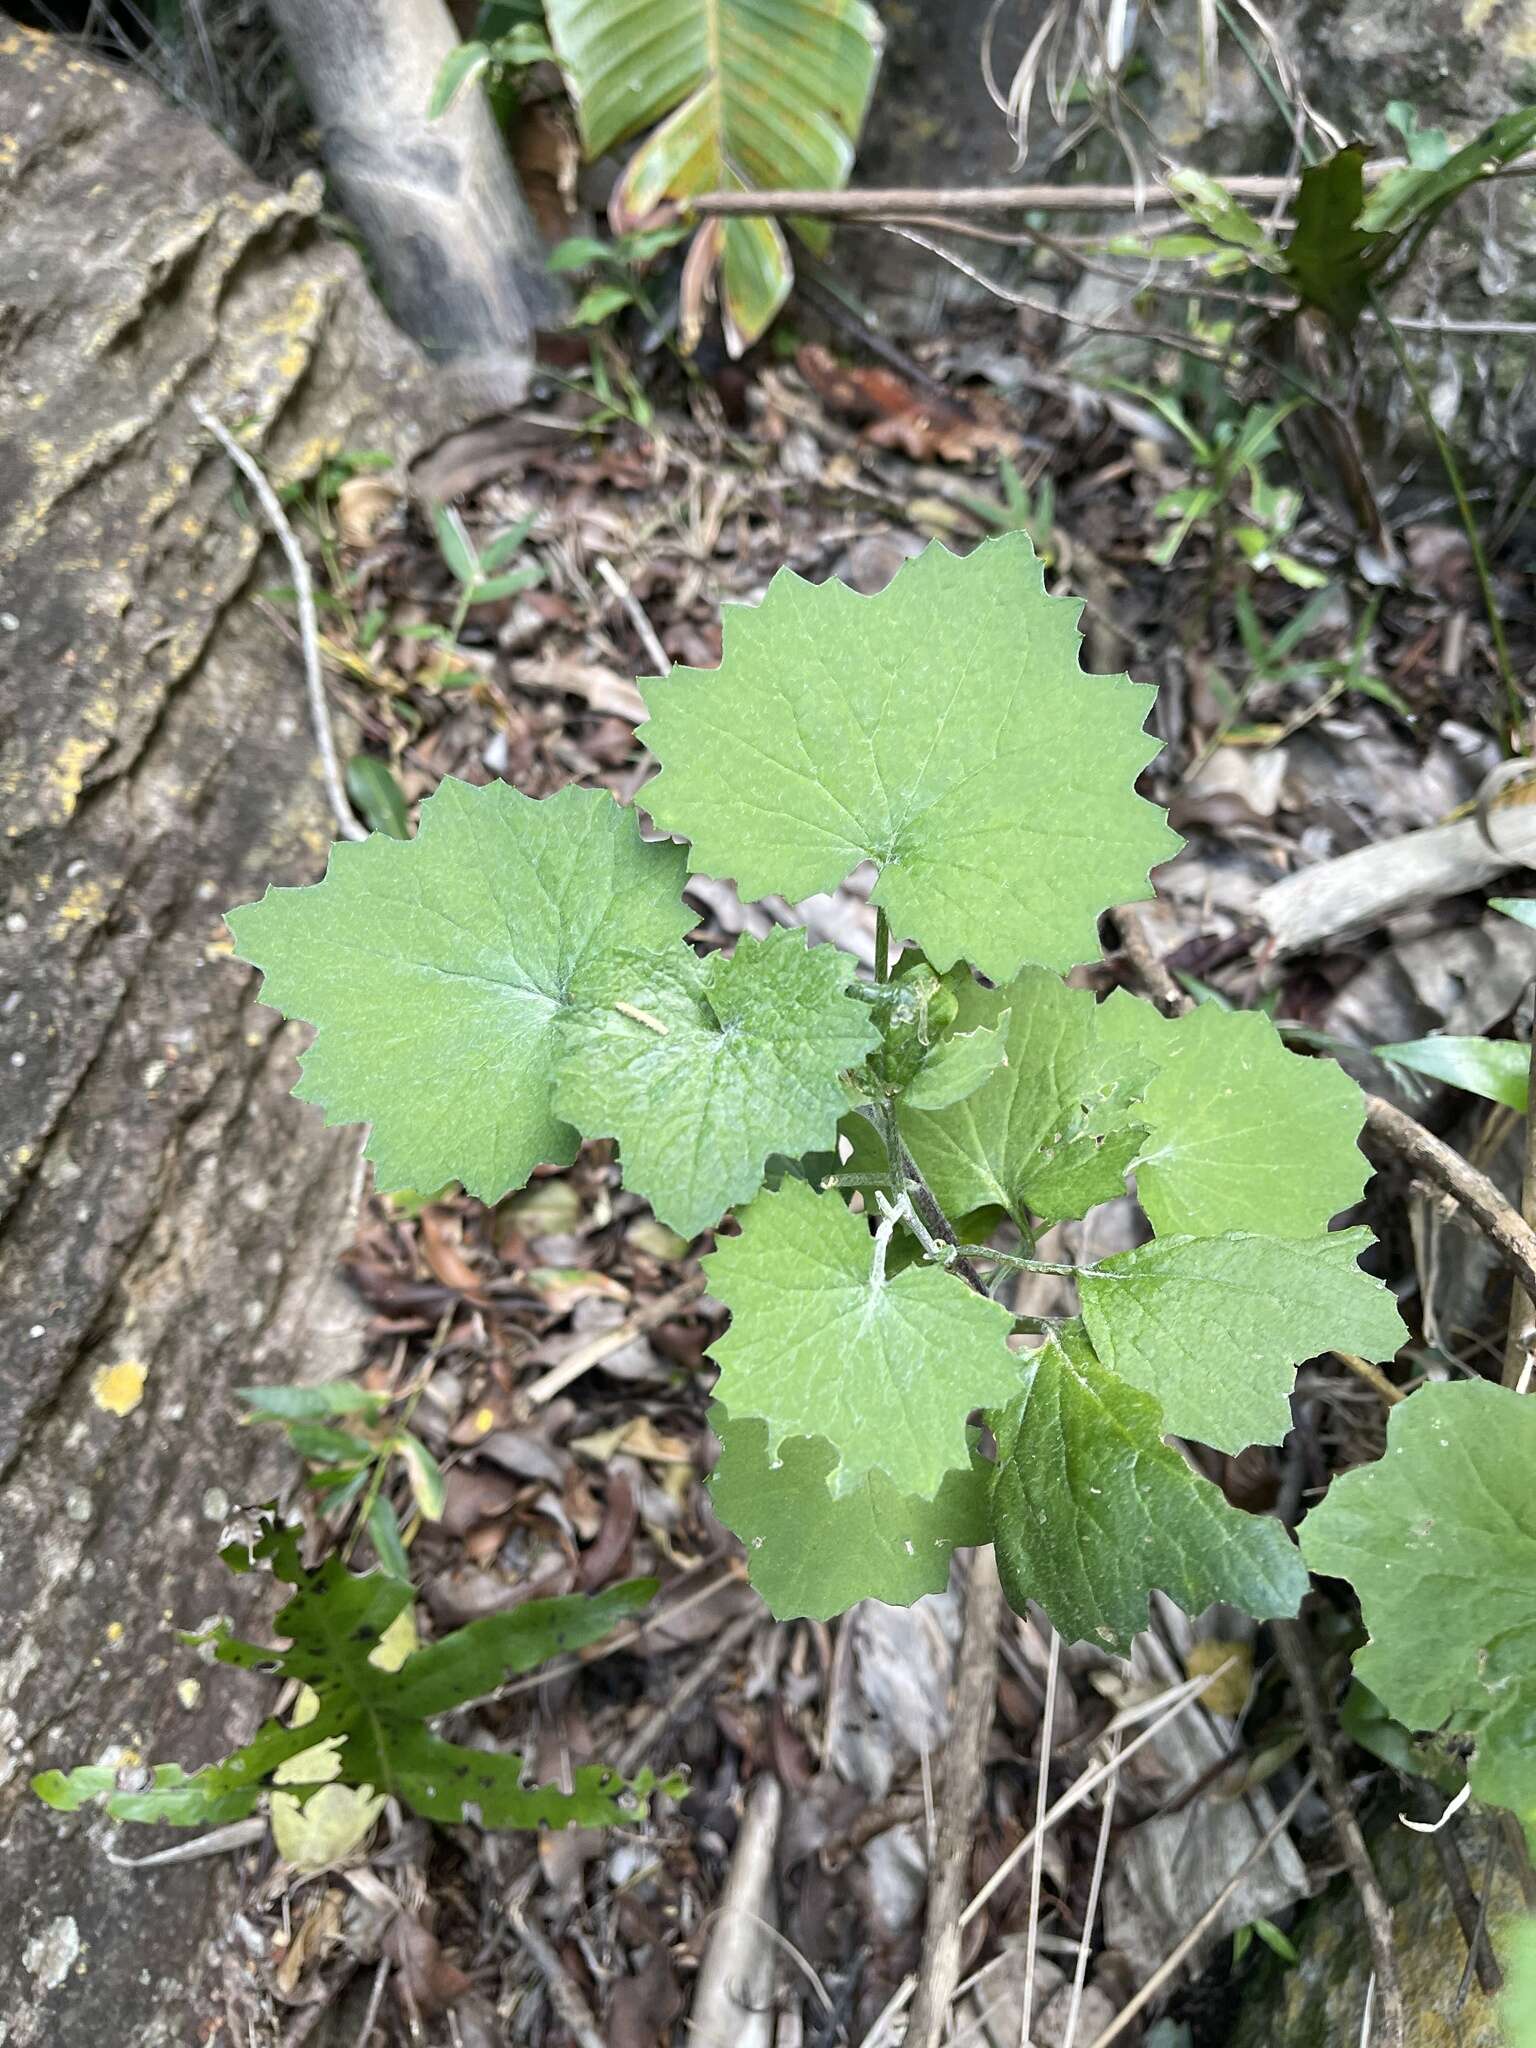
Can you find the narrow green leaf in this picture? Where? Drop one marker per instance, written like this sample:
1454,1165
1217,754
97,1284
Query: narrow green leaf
378,797
1091,1509
459,70
497,553
1497,1069
601,303
580,252
316,1440
840,728
424,1474
1408,195
809,1553
1521,908
1206,200
701,1070
1215,1327
489,589
454,544
312,1404
441,971
1438,1538
384,1533
886,1369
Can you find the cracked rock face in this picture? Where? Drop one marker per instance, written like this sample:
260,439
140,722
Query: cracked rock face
168,1217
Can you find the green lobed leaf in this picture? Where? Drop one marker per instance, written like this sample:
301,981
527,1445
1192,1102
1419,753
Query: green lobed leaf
1054,1130
1497,1069
1242,1134
1326,256
375,1717
702,1069
1091,1509
811,1553
440,971
886,1369
943,729
1215,1327
1438,1538
959,1064
1517,2008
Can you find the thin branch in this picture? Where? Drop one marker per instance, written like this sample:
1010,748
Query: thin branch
874,201
659,1310
571,2009
965,1760
1037,1861
1091,1913
640,1745
304,602
1520,1343
1504,1227
1296,1655
634,611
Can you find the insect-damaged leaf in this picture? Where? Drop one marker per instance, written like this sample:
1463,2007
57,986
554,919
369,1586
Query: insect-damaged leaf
943,729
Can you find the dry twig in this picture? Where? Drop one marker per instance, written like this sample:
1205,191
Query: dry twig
304,603
1505,1228
572,2010
649,1316
975,1701
1295,1654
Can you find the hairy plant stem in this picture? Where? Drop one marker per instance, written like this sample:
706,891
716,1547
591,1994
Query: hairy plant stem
882,946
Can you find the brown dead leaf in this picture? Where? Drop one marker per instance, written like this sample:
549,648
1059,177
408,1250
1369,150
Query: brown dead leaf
364,507
472,1495
892,414
426,1983
440,1249
640,1437
318,1930
603,689
645,2005
601,1559
561,1287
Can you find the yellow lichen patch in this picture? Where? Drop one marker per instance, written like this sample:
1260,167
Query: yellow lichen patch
1475,13
115,1631
85,904
189,1692
118,1389
65,774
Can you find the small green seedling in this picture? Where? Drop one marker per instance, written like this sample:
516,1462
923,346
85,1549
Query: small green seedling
367,1723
